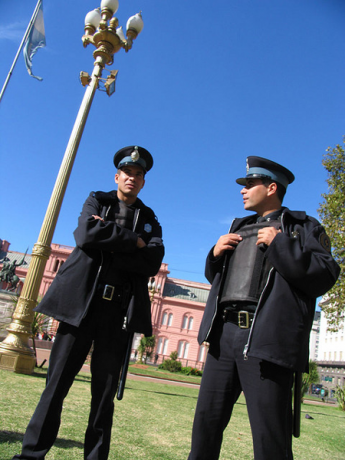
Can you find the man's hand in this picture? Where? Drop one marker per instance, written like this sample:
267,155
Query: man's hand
266,235
140,243
225,243
97,217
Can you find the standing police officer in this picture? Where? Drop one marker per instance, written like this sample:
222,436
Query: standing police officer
99,296
266,274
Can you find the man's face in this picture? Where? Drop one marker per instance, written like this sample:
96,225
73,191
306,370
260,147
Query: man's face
130,180
255,195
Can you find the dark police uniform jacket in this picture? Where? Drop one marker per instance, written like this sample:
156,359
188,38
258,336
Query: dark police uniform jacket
72,290
302,270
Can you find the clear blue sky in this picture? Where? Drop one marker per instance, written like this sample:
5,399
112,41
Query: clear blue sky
205,85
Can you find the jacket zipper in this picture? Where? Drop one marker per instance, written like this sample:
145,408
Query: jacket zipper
107,211
136,218
220,285
247,345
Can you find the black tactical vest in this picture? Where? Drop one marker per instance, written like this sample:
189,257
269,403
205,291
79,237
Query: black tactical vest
248,268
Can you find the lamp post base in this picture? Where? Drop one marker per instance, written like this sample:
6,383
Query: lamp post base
15,353
16,359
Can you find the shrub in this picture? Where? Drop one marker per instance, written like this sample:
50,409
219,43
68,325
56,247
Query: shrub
340,395
171,365
173,355
196,371
186,370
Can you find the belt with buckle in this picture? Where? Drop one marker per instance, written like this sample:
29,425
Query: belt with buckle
243,319
109,292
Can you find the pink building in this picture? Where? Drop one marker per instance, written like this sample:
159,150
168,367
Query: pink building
177,306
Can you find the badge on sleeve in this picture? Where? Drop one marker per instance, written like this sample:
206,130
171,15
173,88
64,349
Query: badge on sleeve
147,228
325,242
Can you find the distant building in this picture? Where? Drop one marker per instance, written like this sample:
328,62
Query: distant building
176,319
177,307
315,337
331,357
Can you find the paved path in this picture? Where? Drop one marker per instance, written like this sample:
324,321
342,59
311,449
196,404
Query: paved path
154,379
43,354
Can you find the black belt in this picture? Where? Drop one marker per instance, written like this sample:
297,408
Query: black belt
110,293
243,319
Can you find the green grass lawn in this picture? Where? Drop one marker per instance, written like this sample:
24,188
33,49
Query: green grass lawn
153,421
153,371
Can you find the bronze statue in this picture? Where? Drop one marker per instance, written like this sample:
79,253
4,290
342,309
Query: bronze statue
8,274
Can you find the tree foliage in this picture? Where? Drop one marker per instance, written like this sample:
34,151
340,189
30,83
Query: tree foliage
146,348
40,323
340,395
332,214
310,378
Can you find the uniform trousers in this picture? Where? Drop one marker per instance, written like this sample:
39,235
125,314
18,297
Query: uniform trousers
268,391
102,326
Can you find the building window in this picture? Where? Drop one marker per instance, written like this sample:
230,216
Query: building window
187,322
164,318
167,319
186,348
159,345
57,265
184,322
201,356
165,346
170,319
182,350
190,323
162,346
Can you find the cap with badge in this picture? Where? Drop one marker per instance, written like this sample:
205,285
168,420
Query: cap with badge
261,168
133,156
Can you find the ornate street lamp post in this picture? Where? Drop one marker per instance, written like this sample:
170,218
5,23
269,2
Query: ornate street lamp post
153,288
102,31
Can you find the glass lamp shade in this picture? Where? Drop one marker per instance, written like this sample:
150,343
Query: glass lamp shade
112,5
135,22
120,34
93,18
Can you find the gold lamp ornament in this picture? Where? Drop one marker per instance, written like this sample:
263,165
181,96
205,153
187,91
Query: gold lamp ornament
102,31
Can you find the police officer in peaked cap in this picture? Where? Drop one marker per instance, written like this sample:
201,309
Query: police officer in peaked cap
134,156
261,168
100,297
266,274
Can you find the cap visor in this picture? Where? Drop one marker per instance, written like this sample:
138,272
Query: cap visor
241,181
